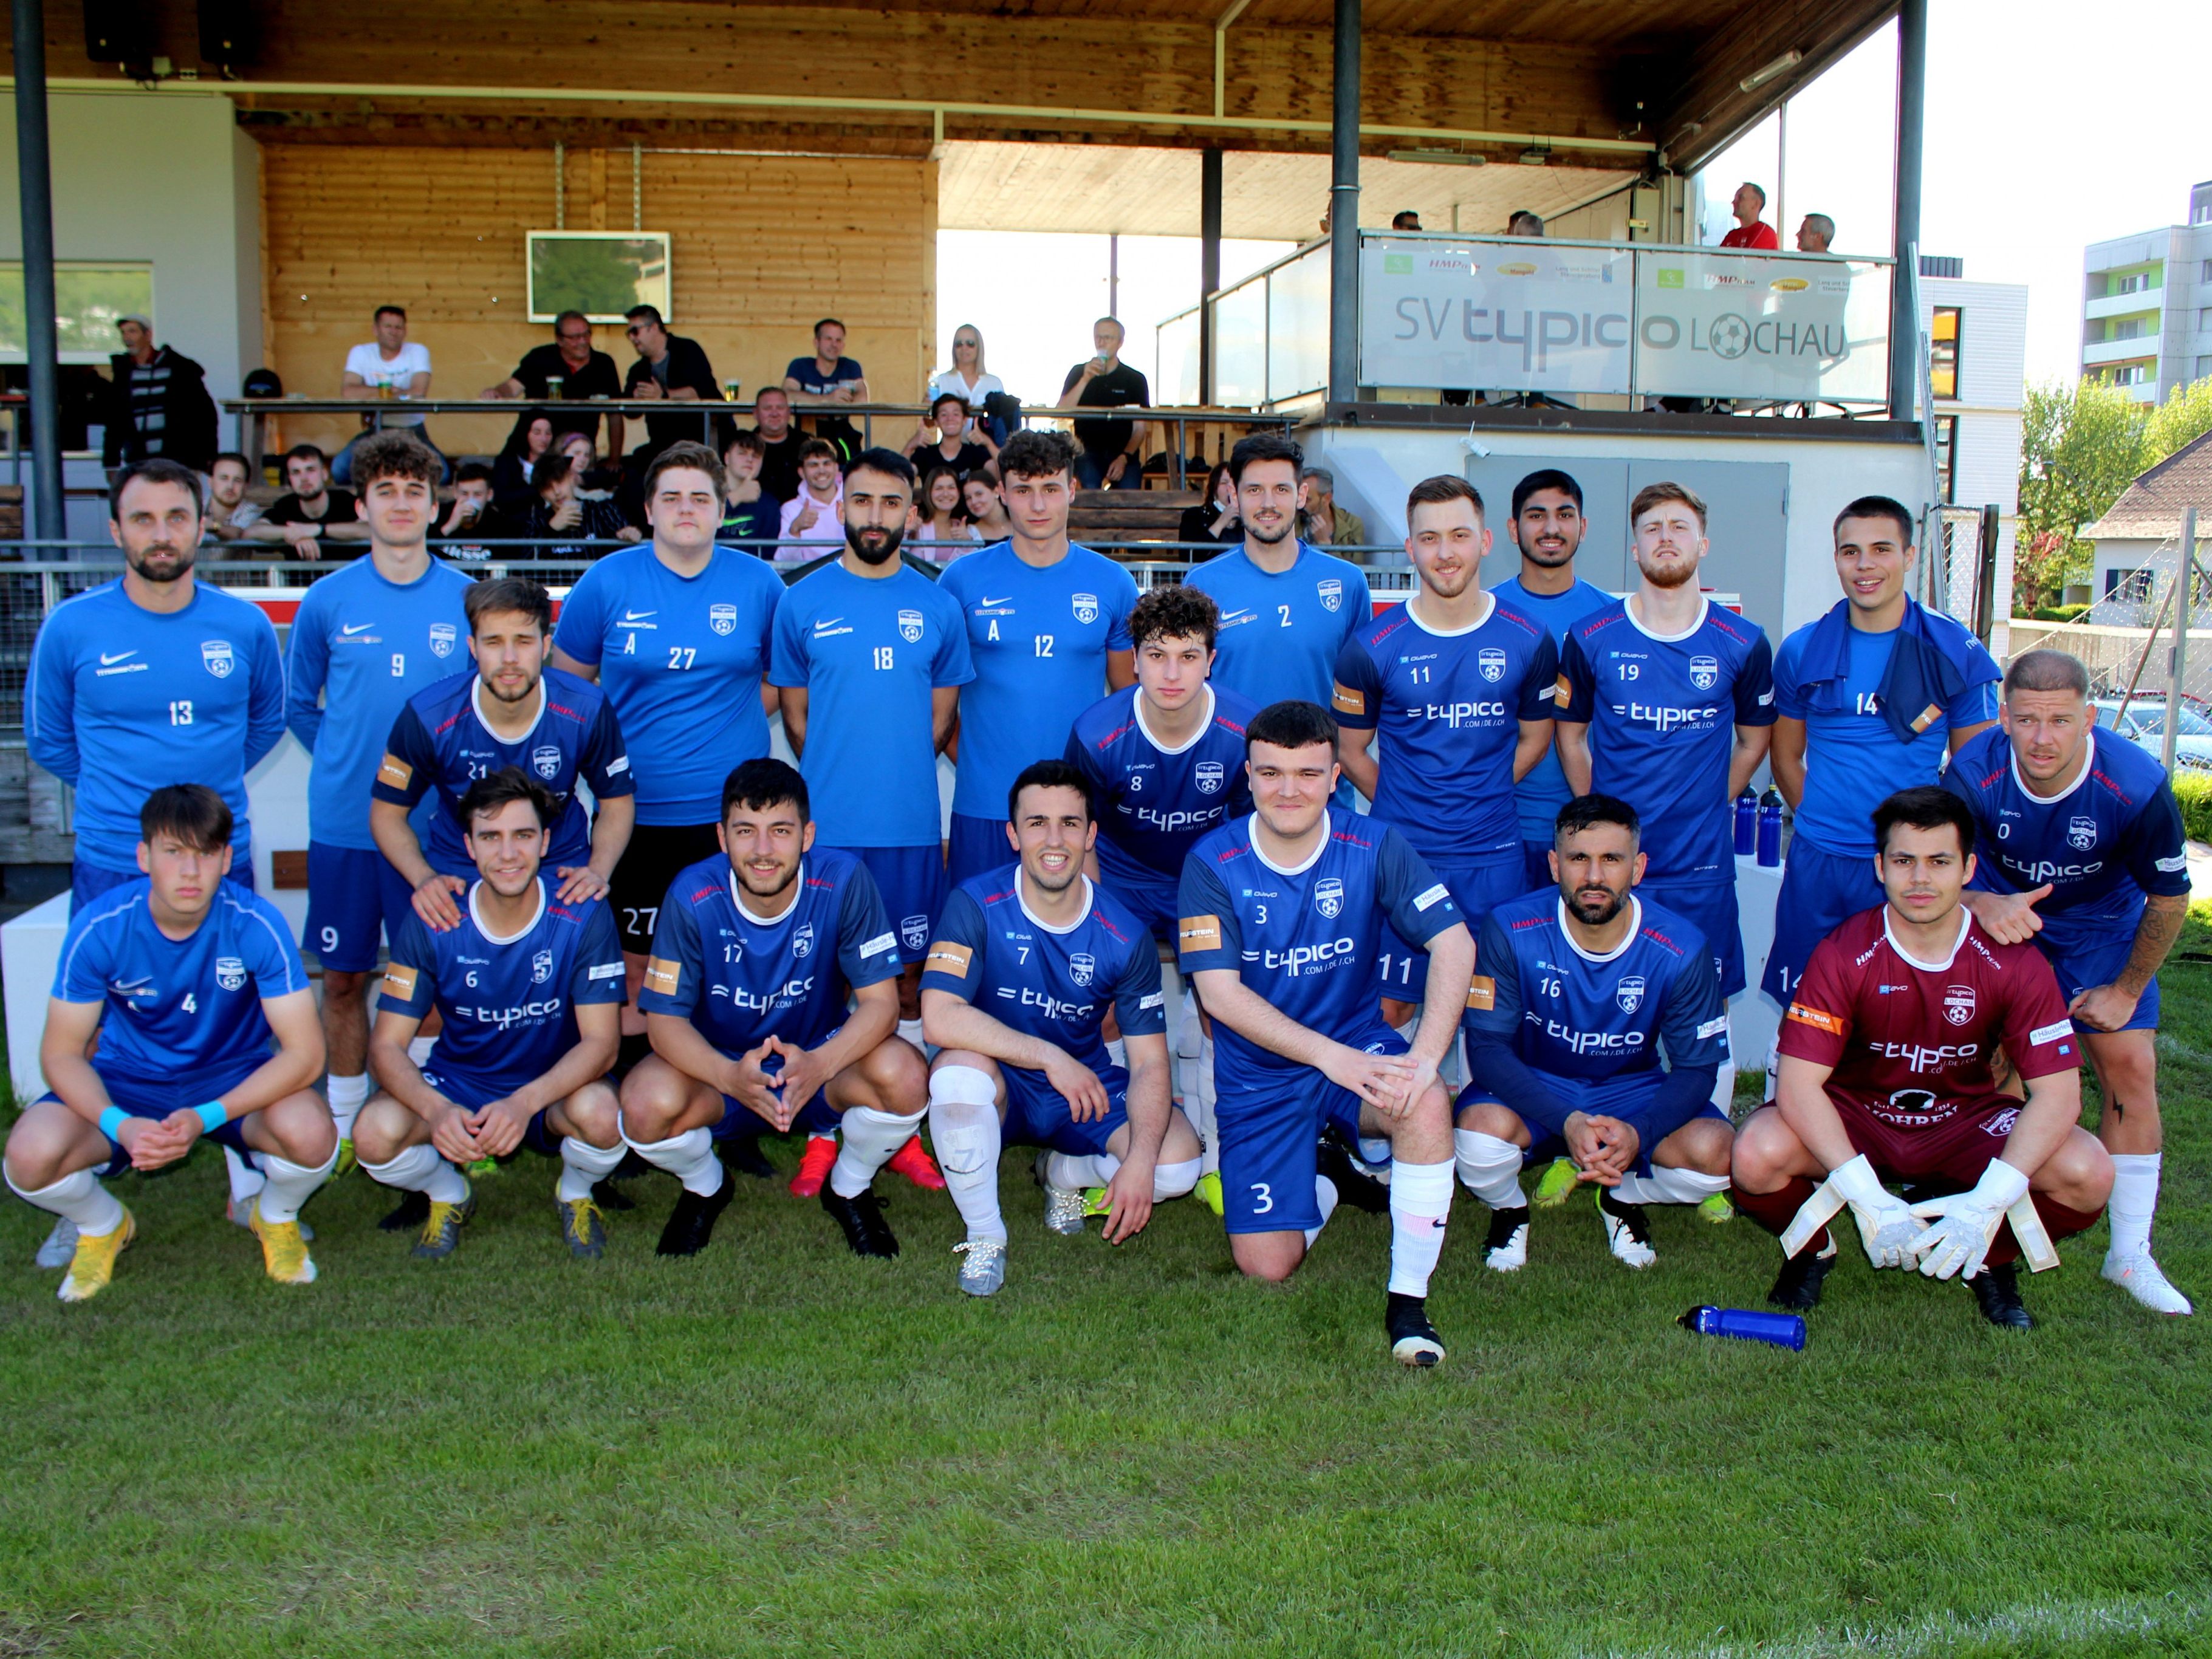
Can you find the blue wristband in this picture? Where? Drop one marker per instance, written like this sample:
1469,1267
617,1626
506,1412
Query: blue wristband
111,1123
212,1116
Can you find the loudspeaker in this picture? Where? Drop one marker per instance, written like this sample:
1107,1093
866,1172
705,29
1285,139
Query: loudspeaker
118,31
229,33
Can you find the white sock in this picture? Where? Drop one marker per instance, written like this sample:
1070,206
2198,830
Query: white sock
1774,1067
1421,1203
1118,1052
1072,1173
418,1050
290,1185
1324,1195
1490,1167
1174,1180
79,1198
2135,1197
1666,1185
689,1157
245,1180
911,1030
1209,1130
583,1166
347,1095
963,1127
870,1139
421,1170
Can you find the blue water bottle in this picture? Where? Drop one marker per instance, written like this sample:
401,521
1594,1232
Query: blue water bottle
1783,1330
1746,823
1770,828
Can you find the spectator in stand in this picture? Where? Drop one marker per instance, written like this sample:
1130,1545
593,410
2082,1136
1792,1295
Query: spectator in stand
781,442
1107,450
1750,232
827,379
750,513
1407,220
817,513
669,367
580,449
578,371
960,444
472,520
946,521
966,377
229,514
313,512
986,512
1524,224
390,366
157,404
1214,519
1321,521
1815,234
561,507
513,475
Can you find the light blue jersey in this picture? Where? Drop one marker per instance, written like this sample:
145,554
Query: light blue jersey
1038,640
1538,797
868,651
121,701
362,645
1279,636
681,658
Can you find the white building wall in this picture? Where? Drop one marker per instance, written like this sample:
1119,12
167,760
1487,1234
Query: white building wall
1992,387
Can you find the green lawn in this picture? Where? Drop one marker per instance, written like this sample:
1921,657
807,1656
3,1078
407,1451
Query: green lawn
777,1449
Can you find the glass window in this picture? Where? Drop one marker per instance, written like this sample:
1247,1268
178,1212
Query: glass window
2150,718
1943,352
1947,455
89,299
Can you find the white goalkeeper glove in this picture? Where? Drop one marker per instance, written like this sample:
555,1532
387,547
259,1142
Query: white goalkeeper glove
1962,1227
1887,1223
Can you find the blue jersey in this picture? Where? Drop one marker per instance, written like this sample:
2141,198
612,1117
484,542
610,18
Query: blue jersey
1449,706
681,658
1579,1020
1306,940
180,1012
868,651
1853,761
1153,803
1038,641
2112,836
1280,635
362,645
509,1005
121,701
740,979
1662,713
440,741
1055,983
1539,796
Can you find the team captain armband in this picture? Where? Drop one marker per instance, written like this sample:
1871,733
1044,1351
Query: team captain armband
1482,994
1199,932
947,958
663,975
398,981
1346,700
395,772
1819,1019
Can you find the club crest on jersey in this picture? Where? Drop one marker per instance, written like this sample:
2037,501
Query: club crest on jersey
215,654
802,942
2081,834
2002,1125
547,759
1489,660
1208,776
1705,672
1086,607
1959,1004
1081,966
909,626
722,619
1628,994
443,637
913,932
1332,593
541,967
1329,897
229,973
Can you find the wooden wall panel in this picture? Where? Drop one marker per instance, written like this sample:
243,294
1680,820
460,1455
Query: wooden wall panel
760,247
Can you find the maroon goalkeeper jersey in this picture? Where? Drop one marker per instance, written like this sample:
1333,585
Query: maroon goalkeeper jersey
1895,1029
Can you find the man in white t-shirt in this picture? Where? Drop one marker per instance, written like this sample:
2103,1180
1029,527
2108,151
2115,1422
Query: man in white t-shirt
390,366
817,512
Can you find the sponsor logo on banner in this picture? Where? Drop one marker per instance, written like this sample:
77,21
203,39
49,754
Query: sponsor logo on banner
802,942
1705,672
1081,966
913,932
910,627
1332,592
1959,1004
1628,994
1491,661
443,637
216,656
722,619
546,760
1209,777
1086,607
2082,833
1329,897
229,973
541,967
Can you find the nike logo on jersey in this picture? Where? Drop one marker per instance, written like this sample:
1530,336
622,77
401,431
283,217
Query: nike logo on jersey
1230,619
637,619
108,661
828,627
985,604
352,628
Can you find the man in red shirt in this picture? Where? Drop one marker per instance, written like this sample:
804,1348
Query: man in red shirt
1887,1072
1750,202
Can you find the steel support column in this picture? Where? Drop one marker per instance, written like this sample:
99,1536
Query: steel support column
1344,211
34,183
1905,238
1209,263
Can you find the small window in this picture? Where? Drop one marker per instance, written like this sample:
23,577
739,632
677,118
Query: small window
1947,455
1943,333
89,300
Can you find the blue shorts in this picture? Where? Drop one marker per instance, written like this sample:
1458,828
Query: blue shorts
354,897
157,1098
1820,891
1626,1098
1156,901
1269,1136
819,1117
1478,887
1710,907
1037,1113
912,882
1536,861
976,847
2084,963
88,881
473,1093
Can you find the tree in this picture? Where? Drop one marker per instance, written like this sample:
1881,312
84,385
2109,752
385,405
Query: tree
2081,445
2185,415
2036,570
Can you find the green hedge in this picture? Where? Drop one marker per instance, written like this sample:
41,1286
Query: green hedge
2193,790
2059,612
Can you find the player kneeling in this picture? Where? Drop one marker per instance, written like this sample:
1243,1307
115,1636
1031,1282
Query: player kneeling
530,988
183,977
744,1000
1575,992
1025,962
1886,1073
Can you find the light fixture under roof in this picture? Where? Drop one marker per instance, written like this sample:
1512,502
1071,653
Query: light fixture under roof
1782,65
1437,158
1536,155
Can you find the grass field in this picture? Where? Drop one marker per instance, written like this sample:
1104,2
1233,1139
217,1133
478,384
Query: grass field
778,1448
